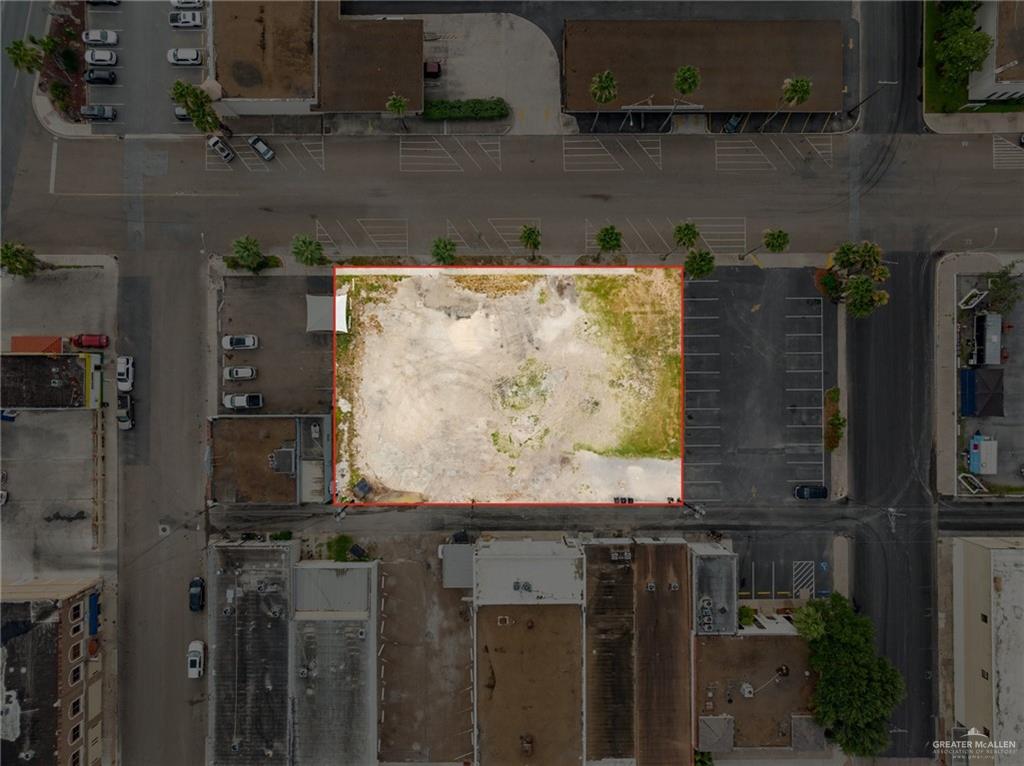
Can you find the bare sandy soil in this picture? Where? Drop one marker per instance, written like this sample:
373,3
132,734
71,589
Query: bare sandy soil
498,388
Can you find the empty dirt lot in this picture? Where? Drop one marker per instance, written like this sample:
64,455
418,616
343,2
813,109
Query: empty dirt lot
529,684
264,49
239,455
426,656
488,385
724,663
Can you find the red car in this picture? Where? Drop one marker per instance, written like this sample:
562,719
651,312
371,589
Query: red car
90,341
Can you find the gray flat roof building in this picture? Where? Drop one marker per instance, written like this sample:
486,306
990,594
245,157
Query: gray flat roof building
714,589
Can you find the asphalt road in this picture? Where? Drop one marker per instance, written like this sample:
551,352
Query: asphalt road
890,442
891,38
152,202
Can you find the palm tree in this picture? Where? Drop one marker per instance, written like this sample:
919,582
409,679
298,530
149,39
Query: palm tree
685,235
687,80
309,251
772,240
604,90
796,90
608,240
397,105
247,254
529,237
443,251
25,58
699,264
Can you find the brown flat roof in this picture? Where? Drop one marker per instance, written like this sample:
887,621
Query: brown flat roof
610,677
530,684
241,466
742,63
663,655
43,380
264,49
1010,41
363,61
724,663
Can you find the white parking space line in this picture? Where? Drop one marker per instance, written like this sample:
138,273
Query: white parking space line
723,236
1006,155
452,232
212,161
652,148
288,148
252,161
388,235
466,152
508,229
822,146
782,154
587,154
740,154
804,398
491,147
425,154
323,236
315,150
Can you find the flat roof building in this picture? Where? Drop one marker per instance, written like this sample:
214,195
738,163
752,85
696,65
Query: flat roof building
51,381
988,640
53,670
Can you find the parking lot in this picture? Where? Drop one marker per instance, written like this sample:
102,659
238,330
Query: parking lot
293,366
144,78
794,565
759,353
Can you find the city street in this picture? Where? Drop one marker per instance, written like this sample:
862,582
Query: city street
165,207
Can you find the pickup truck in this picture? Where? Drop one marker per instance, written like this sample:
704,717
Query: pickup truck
185,19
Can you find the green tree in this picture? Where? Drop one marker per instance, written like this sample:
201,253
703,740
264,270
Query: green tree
746,615
397,105
309,251
247,255
854,278
19,260
685,235
700,758
1004,289
955,16
608,240
60,95
443,251
775,241
809,622
687,80
603,88
198,104
796,90
861,297
856,690
48,45
24,57
963,52
699,264
529,238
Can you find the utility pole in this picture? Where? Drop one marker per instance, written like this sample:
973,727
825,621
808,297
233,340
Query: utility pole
881,84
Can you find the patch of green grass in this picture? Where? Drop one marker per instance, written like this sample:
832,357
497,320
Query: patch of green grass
524,389
940,95
338,547
832,395
542,297
1004,489
284,534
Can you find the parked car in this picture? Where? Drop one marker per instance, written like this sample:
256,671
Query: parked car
185,57
181,113
810,492
185,19
733,124
185,4
85,340
220,146
197,594
196,658
261,148
98,112
125,412
243,401
99,37
239,373
100,58
125,373
100,77
238,342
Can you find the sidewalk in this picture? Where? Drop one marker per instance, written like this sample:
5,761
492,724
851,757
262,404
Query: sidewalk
982,122
52,120
946,360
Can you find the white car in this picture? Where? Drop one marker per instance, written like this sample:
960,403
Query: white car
100,58
239,373
185,57
183,5
196,659
243,401
125,373
99,37
185,19
239,342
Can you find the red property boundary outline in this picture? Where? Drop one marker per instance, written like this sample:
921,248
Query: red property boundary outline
554,504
